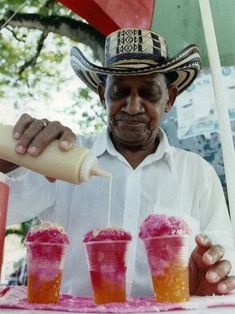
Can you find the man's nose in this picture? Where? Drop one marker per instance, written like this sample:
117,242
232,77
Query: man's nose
133,104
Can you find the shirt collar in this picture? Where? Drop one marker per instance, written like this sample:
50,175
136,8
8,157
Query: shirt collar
103,143
165,150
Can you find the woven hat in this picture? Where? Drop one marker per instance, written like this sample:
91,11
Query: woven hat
135,51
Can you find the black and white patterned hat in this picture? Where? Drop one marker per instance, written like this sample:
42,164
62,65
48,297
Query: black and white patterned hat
135,51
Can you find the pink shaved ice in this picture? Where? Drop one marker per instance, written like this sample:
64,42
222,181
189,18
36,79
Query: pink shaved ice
106,234
162,225
47,233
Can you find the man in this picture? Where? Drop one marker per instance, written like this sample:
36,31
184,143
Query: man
138,84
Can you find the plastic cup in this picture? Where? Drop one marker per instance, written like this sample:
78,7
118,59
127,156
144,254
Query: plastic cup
107,266
45,263
4,192
168,261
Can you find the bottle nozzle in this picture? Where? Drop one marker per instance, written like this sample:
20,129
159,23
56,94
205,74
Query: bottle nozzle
90,167
97,171
2,177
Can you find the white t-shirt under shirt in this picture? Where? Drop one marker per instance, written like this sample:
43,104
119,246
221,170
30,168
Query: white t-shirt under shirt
170,181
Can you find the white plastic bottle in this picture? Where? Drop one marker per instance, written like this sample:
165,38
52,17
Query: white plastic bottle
75,165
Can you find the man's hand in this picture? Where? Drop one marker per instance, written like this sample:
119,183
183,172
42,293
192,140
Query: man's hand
208,271
34,135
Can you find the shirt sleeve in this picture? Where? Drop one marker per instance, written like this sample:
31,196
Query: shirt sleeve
215,220
30,194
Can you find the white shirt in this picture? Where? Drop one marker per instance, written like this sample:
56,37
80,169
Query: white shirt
170,181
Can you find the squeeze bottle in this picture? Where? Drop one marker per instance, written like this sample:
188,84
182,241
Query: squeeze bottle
75,165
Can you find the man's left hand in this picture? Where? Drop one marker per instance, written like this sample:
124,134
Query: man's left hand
208,271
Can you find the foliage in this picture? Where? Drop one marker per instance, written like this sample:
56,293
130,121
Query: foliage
34,64
21,229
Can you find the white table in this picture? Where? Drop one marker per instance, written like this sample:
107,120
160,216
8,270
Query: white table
218,310
197,304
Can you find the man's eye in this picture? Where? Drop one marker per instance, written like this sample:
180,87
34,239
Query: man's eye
150,95
118,94
153,97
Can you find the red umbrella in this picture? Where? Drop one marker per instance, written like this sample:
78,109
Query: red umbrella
109,15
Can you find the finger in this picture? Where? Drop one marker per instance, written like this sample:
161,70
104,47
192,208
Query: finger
218,271
203,244
49,133
29,134
203,241
226,285
196,259
67,139
213,254
24,121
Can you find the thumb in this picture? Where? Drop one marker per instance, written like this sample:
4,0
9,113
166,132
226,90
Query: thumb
203,244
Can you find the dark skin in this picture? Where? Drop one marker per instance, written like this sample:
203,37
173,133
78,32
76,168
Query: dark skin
208,271
134,107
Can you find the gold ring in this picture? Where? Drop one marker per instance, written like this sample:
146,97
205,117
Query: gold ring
45,122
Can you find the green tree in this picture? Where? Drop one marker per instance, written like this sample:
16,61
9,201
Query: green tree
35,42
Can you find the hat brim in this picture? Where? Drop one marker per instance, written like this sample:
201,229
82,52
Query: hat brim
184,66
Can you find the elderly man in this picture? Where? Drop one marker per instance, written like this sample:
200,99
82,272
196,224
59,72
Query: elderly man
137,85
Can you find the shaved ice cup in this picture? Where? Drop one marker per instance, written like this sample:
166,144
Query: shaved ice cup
107,262
168,258
45,262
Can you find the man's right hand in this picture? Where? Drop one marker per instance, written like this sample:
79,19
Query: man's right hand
34,135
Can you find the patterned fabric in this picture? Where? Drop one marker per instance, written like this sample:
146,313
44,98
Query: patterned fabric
136,52
19,277
132,46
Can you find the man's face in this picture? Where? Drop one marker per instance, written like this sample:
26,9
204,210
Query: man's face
135,105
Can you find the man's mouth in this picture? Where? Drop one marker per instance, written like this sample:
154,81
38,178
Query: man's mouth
130,122
133,120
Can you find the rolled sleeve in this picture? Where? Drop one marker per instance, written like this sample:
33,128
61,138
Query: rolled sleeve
30,194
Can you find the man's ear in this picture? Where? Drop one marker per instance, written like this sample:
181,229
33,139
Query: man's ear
172,93
100,90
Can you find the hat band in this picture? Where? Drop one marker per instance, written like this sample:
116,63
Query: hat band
133,63
131,58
